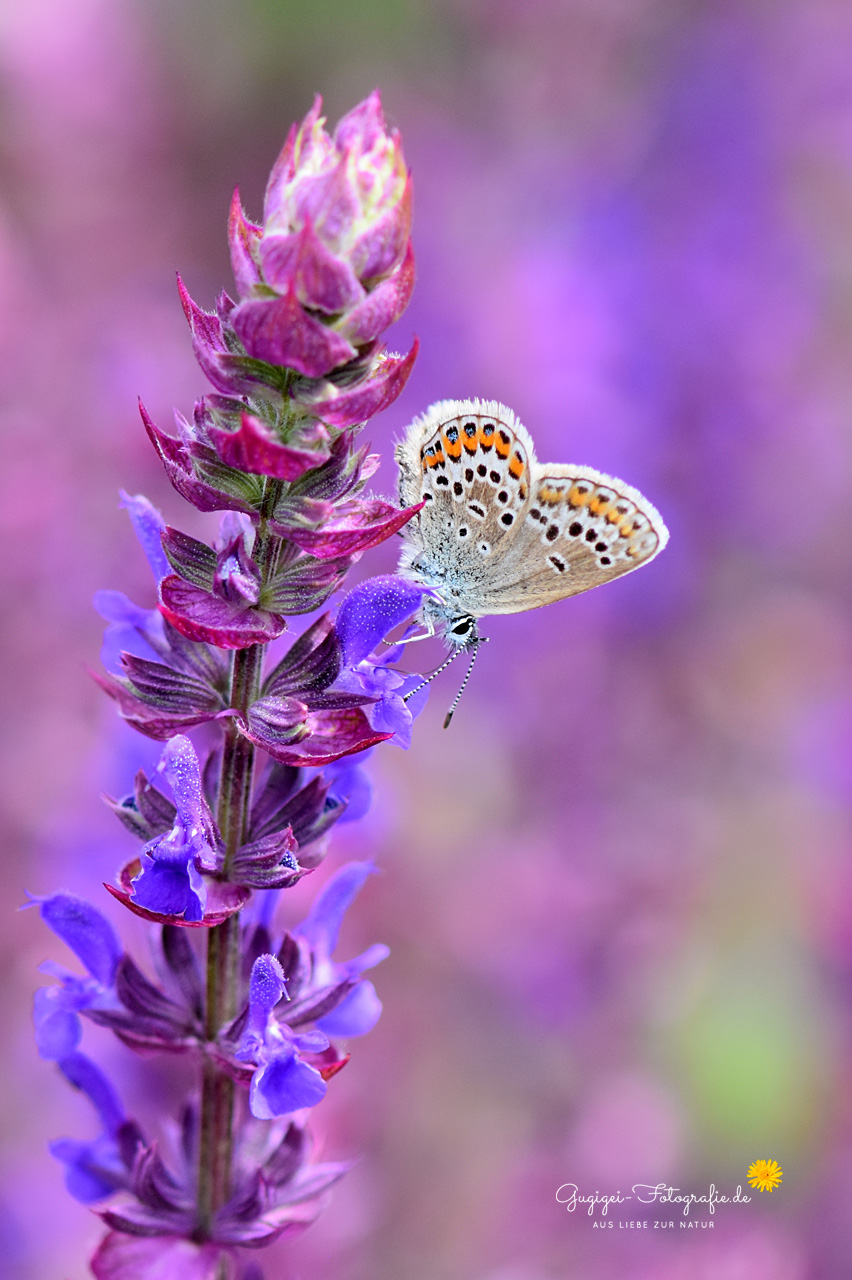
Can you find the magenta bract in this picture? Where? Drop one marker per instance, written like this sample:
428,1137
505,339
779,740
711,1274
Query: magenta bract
354,527
126,1257
347,406
223,900
329,735
319,278
205,616
254,448
177,458
279,331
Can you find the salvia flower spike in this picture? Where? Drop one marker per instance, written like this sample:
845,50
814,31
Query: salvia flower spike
243,808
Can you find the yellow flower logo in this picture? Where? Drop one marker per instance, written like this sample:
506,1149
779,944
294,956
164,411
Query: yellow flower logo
764,1175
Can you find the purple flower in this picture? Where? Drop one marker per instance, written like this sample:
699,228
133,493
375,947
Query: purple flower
133,629
296,364
97,1168
368,613
283,1082
160,1257
95,943
213,594
360,1009
170,882
349,787
161,680
298,719
149,526
371,610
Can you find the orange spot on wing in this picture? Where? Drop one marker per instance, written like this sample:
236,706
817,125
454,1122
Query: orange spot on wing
453,450
516,468
578,499
502,446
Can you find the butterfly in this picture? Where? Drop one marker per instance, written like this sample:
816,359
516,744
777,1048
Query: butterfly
500,532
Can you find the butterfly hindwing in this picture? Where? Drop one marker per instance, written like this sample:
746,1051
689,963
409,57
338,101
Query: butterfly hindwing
581,529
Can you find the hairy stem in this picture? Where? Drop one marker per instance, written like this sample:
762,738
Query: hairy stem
223,945
223,951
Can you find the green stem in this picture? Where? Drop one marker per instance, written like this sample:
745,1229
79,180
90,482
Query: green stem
223,945
223,951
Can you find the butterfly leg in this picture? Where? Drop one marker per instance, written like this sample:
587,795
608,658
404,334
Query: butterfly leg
425,635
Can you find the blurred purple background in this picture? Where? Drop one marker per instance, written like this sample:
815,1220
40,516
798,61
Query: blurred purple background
618,892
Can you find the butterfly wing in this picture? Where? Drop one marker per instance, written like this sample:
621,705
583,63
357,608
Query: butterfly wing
470,463
581,528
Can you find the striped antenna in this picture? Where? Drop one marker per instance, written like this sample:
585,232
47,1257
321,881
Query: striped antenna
455,653
448,717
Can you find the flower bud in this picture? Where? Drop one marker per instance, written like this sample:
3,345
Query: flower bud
331,266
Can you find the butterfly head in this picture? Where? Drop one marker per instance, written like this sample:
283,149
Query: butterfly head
457,627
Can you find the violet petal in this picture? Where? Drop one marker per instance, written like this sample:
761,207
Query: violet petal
86,1076
284,1085
58,1029
89,934
148,525
356,1015
321,926
371,610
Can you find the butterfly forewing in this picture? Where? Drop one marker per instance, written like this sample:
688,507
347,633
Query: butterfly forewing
472,472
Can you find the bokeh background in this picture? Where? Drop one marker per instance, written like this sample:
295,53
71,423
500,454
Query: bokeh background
618,892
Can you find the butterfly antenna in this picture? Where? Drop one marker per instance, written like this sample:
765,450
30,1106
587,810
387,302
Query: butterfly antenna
448,717
431,677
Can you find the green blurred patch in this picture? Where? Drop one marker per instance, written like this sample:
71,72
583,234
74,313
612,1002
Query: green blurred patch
228,53
753,1056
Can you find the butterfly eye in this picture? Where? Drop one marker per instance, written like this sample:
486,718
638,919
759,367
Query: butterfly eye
462,627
